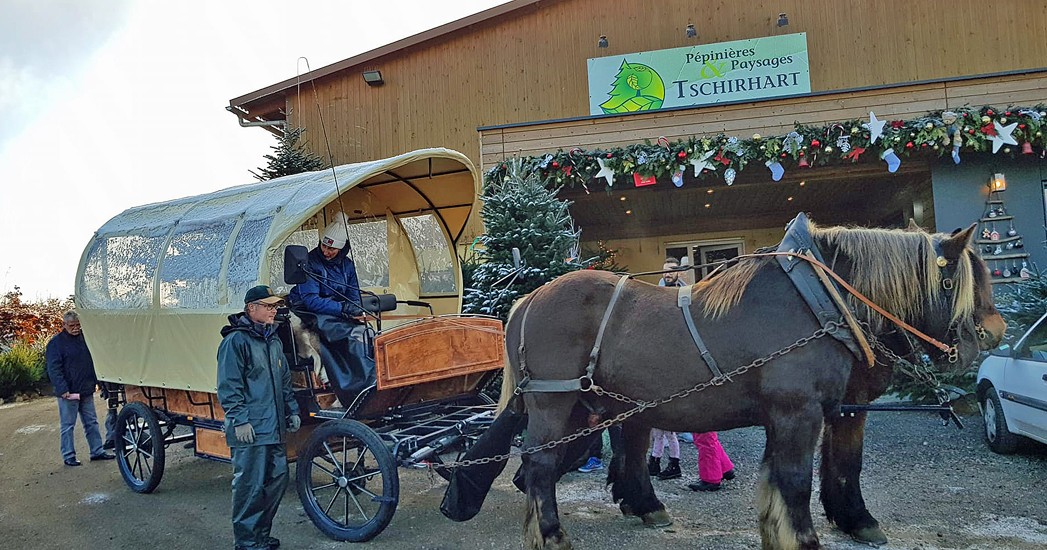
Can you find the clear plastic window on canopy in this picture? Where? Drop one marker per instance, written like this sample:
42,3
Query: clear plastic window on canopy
370,244
432,252
119,271
247,252
191,266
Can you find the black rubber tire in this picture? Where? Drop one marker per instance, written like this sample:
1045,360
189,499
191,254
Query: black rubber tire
998,437
139,447
322,481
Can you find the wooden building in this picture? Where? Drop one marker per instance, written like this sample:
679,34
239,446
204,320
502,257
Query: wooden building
512,81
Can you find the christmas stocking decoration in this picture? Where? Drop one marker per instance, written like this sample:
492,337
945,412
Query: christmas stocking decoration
892,160
777,171
678,177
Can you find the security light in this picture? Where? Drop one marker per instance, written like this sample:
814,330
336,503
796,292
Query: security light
691,31
602,42
373,78
783,20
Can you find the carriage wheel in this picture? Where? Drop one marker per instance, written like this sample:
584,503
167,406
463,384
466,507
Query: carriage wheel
347,481
453,453
139,447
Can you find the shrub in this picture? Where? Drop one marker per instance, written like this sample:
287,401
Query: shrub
23,368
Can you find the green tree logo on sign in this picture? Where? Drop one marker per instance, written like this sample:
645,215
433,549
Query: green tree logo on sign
637,87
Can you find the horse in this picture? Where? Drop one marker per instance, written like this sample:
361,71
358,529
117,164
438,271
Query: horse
777,370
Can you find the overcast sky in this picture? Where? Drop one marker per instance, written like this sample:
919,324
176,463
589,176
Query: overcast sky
109,104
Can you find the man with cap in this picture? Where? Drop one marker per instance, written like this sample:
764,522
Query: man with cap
329,302
254,388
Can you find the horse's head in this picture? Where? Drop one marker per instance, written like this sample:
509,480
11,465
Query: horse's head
973,316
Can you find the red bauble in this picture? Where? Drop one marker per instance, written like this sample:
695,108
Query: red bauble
815,143
1022,126
989,112
909,145
682,154
1008,113
556,164
784,155
609,155
801,153
923,145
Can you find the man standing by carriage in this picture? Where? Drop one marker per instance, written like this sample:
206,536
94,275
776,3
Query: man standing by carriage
254,388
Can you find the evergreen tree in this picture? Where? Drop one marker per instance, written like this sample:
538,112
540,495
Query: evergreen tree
290,157
520,212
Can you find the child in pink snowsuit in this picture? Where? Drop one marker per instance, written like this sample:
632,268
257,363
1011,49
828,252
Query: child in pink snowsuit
714,466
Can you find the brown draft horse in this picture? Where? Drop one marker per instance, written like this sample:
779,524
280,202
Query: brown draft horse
743,313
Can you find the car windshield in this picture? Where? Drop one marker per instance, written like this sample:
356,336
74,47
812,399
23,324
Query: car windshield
1035,344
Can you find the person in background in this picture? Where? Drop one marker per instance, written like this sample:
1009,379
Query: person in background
107,391
595,462
72,372
714,466
254,388
661,438
329,302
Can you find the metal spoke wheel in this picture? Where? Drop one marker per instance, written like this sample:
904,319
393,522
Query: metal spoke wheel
139,447
347,481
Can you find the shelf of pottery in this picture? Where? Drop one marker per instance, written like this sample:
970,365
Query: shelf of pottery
1002,248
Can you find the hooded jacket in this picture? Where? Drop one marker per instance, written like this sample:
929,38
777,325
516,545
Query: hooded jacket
337,279
69,365
254,381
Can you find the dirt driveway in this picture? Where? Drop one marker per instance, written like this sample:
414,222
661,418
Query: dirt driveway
931,487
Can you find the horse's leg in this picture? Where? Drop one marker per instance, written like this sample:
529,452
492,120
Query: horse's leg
548,416
630,483
784,500
841,469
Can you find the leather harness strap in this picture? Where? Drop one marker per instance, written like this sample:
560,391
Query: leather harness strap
683,301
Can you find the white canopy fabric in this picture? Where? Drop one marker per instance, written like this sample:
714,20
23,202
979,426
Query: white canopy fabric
157,282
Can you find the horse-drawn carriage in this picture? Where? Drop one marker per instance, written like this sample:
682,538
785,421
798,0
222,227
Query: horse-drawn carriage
157,282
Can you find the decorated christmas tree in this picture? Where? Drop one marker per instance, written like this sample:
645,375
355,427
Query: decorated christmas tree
520,212
999,243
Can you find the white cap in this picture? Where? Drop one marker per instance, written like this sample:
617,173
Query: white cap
336,233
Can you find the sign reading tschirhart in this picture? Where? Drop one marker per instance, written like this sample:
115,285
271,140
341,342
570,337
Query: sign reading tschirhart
757,68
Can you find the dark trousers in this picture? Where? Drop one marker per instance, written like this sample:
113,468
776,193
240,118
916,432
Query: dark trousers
259,481
615,435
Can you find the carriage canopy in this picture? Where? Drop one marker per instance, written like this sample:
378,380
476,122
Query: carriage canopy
156,282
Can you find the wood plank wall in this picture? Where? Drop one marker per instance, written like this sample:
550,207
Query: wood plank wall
767,118
530,65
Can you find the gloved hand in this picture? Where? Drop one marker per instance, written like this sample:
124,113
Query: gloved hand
350,311
293,423
244,433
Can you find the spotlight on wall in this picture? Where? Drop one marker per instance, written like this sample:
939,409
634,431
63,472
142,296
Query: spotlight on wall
373,78
691,31
603,41
783,20
998,183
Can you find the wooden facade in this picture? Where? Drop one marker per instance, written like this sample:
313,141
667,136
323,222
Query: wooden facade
526,61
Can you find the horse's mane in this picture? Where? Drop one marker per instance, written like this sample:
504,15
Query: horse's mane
882,269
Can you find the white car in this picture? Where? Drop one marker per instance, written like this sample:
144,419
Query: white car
1012,391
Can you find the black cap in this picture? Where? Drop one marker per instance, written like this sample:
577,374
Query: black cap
263,294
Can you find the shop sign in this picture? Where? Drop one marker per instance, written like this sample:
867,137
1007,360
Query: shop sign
741,70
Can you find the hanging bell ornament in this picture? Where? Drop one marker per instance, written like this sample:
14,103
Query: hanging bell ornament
997,273
992,213
803,163
729,175
1012,232
1027,148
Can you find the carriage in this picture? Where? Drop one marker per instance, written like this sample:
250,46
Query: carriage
157,282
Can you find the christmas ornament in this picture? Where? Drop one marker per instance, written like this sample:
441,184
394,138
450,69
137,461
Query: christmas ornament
1006,271
1012,232
678,177
892,160
643,181
729,175
997,251
641,158
1003,135
843,143
777,171
606,172
995,236
702,163
1025,273
875,128
545,162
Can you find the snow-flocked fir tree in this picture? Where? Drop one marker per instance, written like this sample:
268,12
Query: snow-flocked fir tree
520,212
290,157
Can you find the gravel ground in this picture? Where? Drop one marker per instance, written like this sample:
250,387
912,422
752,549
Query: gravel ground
931,487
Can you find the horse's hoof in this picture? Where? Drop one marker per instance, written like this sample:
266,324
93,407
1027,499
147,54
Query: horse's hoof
657,518
557,541
627,510
870,535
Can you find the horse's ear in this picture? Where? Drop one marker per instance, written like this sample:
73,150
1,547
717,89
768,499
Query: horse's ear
913,226
954,245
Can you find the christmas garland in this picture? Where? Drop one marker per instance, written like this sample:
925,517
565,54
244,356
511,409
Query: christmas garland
1014,132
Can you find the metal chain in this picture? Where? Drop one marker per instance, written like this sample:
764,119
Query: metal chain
639,406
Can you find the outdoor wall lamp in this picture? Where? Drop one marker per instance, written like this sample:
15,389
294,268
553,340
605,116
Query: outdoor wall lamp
373,78
602,43
691,31
998,183
783,20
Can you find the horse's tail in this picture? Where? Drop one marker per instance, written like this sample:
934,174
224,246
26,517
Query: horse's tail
510,374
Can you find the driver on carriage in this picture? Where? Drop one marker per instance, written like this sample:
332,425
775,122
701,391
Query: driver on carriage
329,303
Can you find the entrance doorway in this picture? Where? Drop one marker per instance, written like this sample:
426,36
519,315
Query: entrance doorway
705,252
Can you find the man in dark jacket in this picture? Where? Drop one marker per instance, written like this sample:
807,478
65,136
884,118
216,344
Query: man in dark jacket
72,373
329,302
254,388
